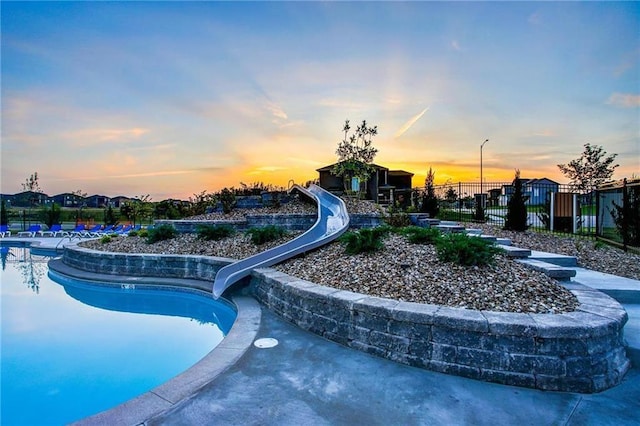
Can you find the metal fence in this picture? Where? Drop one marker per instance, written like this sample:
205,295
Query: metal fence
550,206
618,212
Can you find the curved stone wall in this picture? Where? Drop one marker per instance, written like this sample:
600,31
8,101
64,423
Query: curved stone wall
581,351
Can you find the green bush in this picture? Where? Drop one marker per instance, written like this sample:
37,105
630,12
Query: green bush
161,233
364,240
464,250
143,233
265,234
105,239
214,232
419,235
132,233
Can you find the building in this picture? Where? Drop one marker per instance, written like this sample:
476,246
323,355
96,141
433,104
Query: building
382,186
535,191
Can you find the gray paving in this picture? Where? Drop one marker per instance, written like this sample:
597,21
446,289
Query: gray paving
306,379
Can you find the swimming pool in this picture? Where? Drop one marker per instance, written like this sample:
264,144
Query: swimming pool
71,349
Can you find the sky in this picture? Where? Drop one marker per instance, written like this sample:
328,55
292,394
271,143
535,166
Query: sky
172,99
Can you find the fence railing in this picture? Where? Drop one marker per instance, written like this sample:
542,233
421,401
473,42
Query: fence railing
618,212
550,206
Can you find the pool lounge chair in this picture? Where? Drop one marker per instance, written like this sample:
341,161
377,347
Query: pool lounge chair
77,231
54,231
92,232
5,231
104,231
125,230
31,232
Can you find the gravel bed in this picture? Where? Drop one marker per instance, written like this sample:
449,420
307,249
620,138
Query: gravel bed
295,206
401,271
590,254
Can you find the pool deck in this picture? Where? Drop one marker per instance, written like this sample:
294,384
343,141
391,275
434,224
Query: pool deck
306,379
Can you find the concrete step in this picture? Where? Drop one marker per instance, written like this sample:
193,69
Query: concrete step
471,231
449,228
556,259
503,241
518,252
554,271
428,222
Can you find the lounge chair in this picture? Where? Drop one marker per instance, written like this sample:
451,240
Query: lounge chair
31,232
92,232
54,231
106,230
125,230
77,231
5,231
116,229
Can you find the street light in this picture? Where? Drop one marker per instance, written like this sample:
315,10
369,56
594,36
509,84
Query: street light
485,141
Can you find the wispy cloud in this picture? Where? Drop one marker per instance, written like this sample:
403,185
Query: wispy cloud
410,123
455,45
89,137
624,100
534,19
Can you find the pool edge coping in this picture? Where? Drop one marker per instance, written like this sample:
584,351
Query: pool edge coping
167,395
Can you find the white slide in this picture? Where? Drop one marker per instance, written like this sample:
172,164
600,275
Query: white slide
333,221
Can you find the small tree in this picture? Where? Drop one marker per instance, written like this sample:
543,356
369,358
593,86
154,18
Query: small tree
516,219
429,200
592,169
627,216
32,185
110,216
51,215
4,220
137,209
356,153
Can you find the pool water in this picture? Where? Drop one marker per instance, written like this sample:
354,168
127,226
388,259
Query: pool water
71,349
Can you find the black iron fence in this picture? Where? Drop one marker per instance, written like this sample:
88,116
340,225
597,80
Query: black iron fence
618,212
550,206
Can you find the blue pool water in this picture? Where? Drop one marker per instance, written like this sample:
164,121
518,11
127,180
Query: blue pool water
72,349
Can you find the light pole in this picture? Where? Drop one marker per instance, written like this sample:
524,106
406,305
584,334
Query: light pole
485,141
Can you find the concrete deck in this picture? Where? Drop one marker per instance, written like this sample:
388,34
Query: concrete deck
306,379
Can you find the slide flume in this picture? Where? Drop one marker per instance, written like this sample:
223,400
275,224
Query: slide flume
333,221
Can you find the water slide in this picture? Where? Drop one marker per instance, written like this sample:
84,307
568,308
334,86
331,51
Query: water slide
333,221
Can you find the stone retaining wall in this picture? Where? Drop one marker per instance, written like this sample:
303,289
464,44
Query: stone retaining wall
292,222
580,351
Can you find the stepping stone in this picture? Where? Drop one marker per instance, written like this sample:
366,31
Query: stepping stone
503,241
516,251
471,231
556,259
450,228
553,271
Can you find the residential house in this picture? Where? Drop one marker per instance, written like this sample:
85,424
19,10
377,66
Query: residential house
535,191
98,201
381,186
67,199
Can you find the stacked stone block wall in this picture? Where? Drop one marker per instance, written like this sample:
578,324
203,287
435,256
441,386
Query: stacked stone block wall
581,351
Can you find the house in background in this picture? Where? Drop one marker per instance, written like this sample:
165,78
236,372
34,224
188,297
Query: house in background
535,191
382,185
98,201
67,199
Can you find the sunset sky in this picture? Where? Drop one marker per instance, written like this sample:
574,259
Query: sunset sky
172,99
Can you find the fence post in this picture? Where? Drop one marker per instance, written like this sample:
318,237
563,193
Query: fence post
626,214
460,201
551,210
574,213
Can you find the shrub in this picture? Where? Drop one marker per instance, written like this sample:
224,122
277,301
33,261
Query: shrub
464,250
364,240
161,233
105,239
227,199
133,233
419,235
265,234
143,233
214,233
516,219
51,215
